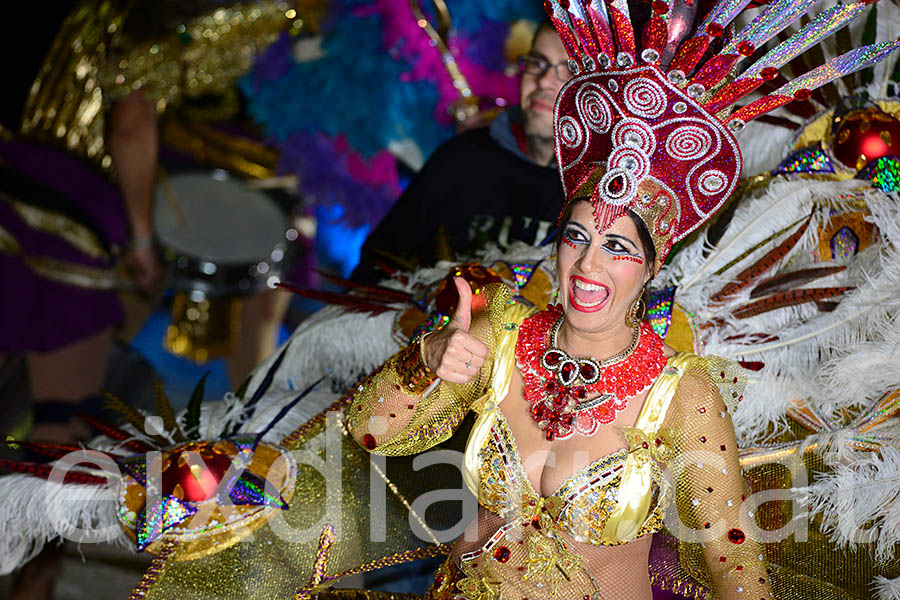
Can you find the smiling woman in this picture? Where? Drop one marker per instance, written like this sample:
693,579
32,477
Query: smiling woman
581,406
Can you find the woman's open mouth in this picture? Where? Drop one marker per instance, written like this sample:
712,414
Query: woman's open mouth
586,295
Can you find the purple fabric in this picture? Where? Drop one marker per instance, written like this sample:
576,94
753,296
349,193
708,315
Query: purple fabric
78,181
39,314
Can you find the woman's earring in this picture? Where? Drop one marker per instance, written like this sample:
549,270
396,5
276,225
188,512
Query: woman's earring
636,313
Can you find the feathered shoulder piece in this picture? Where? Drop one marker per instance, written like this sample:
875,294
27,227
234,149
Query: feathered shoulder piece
648,122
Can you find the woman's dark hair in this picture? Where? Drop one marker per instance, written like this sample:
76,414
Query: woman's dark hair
645,240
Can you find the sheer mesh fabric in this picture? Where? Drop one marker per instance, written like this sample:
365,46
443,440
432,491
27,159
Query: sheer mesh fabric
402,423
713,525
527,555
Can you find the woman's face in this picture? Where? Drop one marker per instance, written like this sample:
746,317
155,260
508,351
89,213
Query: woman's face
600,275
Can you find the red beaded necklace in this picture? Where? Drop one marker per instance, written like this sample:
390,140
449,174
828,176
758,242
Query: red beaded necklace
557,404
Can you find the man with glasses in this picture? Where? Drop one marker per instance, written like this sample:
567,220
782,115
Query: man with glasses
491,184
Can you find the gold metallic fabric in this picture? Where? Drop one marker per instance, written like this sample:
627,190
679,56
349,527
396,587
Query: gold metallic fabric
58,270
101,54
531,553
403,423
332,528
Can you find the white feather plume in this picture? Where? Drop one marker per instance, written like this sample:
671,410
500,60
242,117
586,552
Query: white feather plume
859,502
886,589
34,512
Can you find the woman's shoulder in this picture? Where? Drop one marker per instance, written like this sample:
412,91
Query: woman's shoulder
710,374
501,307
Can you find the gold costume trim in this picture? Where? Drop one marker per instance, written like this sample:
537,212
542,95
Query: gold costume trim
151,575
75,234
62,271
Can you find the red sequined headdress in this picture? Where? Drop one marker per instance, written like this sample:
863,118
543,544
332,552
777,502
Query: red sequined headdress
649,127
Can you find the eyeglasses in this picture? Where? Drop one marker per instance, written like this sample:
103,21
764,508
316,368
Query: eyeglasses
537,67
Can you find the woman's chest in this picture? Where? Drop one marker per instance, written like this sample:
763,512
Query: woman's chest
546,464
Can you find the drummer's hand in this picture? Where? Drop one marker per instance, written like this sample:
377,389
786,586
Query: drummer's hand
452,353
143,263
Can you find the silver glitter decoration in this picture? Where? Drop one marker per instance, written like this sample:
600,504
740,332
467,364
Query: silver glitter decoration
573,66
650,56
696,90
676,77
624,60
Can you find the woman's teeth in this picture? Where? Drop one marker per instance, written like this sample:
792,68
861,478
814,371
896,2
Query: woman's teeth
589,294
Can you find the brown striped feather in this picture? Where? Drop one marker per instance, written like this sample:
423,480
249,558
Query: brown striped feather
780,283
754,271
788,298
164,410
353,303
374,291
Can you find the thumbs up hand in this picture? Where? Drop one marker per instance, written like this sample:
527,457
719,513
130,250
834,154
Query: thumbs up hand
452,353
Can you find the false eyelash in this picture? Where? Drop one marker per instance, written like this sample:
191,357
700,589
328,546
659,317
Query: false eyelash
570,243
636,259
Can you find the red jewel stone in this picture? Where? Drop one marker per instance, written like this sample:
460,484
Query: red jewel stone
409,406
769,73
736,536
502,554
710,490
617,184
645,445
715,30
581,393
521,568
722,447
706,525
587,371
703,439
739,568
568,370
535,522
721,559
660,7
746,48
743,497
393,416
802,94
552,358
702,410
369,441
439,580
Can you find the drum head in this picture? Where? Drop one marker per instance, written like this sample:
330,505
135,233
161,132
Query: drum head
217,219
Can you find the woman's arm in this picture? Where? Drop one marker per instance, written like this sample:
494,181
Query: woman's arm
710,489
403,408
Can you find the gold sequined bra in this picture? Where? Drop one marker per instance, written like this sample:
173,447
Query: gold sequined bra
615,499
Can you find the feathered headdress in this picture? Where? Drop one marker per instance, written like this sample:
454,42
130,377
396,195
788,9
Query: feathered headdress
651,129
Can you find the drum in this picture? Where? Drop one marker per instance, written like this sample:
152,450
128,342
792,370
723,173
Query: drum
221,240
221,237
